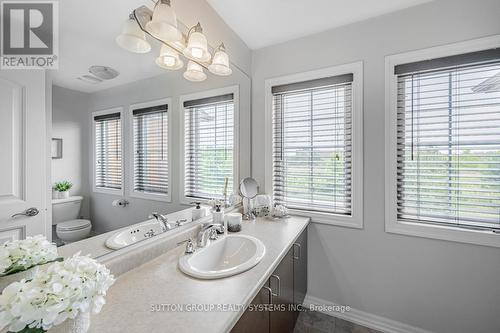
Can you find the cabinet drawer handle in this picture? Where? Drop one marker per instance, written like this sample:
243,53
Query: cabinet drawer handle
279,285
296,245
270,294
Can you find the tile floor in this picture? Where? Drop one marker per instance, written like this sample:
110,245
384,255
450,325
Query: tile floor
316,322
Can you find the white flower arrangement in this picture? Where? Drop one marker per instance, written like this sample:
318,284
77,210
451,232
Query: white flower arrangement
63,291
20,255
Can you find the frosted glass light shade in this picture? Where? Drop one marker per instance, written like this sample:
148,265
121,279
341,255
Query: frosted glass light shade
163,25
194,72
220,63
169,59
132,38
197,48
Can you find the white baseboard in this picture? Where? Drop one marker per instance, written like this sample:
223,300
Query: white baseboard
366,319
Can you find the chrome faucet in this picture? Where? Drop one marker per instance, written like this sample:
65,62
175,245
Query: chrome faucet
163,220
208,231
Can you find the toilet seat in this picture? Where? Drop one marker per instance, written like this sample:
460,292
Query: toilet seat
73,225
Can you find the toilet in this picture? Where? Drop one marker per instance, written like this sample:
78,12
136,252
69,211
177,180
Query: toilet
65,212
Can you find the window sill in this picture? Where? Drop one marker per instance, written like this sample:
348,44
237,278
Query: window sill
108,191
151,196
330,219
447,233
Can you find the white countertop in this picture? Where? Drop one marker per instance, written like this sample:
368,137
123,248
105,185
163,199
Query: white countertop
131,299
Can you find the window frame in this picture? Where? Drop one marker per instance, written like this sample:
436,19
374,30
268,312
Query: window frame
236,142
419,229
131,148
356,68
96,189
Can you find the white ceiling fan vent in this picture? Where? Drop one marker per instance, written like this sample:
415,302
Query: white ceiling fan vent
89,79
104,72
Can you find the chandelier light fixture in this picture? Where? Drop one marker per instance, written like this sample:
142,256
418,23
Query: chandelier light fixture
161,24
132,38
169,59
197,48
194,72
220,64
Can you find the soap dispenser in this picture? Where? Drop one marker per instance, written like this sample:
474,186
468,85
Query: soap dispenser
218,215
197,212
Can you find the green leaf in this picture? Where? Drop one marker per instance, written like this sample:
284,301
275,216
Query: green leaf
62,186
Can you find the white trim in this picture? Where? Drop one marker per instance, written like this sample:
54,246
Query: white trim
392,225
364,318
236,135
356,219
130,175
92,135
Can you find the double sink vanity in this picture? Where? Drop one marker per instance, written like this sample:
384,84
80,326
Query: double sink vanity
229,283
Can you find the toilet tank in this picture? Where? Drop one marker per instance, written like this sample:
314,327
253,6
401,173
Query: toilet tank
66,209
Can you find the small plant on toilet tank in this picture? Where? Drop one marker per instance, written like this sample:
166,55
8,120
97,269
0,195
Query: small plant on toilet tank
62,188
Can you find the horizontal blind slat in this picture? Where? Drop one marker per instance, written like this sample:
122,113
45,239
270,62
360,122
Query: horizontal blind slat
209,147
312,147
151,150
108,151
448,146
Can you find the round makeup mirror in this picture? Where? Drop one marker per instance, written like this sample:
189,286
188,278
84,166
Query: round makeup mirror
249,188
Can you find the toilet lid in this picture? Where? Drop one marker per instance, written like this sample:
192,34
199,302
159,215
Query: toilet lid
73,225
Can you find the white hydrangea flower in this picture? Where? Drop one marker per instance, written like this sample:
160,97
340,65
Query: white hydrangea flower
65,289
20,255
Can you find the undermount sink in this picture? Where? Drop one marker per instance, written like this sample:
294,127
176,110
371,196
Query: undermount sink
227,256
133,235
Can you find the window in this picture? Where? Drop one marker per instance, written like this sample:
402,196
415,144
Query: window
150,139
313,147
447,143
107,151
209,146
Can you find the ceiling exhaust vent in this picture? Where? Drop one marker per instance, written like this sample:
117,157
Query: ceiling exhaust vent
104,72
89,79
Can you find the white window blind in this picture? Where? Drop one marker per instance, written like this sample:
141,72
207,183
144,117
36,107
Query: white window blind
108,151
151,149
448,151
312,145
209,146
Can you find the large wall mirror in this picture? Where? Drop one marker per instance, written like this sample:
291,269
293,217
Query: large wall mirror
141,142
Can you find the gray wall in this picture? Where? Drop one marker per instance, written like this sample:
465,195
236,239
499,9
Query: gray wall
172,85
436,285
69,116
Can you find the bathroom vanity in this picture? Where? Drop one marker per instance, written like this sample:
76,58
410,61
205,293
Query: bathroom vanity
155,296
284,291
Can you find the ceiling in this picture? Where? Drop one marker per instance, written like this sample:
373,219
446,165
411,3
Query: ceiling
262,23
87,32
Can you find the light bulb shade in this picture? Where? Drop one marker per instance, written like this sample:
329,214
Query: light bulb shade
194,72
132,38
197,48
163,25
169,59
220,64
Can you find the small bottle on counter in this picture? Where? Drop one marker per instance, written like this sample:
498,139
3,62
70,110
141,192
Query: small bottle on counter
218,215
197,212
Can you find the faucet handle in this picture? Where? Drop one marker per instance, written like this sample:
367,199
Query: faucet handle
189,246
213,234
153,215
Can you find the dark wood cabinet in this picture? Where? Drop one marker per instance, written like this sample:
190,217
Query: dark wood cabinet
299,250
281,283
256,319
283,292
